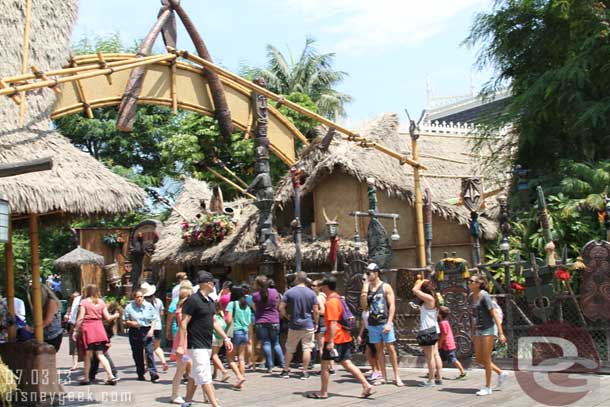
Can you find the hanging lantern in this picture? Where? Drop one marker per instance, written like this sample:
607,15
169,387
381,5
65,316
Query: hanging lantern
395,236
5,218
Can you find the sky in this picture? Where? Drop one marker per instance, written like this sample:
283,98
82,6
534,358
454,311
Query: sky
393,50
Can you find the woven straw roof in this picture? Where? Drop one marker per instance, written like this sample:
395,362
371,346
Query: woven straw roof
388,175
171,247
77,258
78,184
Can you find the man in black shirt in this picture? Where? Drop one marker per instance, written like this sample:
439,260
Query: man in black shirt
199,323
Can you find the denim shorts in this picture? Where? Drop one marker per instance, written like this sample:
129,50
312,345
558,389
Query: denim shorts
240,337
376,334
491,331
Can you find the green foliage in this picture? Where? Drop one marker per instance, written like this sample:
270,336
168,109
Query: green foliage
303,123
311,74
555,56
54,242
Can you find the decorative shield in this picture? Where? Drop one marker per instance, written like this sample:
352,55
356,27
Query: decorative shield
354,271
472,193
454,288
380,250
595,289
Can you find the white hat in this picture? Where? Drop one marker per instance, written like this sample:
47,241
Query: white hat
147,289
372,267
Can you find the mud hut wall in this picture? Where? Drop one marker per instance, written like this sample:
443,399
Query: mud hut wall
341,193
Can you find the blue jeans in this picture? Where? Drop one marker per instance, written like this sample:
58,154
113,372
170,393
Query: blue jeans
269,335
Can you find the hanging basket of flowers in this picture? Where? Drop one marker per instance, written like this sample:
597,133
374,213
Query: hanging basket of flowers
208,229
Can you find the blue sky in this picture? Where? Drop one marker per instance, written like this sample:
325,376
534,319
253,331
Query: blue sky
389,48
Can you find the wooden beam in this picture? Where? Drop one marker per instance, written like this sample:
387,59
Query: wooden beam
36,290
41,164
103,65
231,183
41,75
81,91
348,134
25,56
15,97
174,94
96,72
419,207
10,282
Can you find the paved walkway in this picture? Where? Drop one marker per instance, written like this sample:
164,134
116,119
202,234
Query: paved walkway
267,390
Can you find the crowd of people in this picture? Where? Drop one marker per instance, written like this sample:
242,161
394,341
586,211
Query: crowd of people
214,333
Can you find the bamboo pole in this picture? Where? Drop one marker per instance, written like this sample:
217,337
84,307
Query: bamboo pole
10,281
350,135
36,290
103,64
81,91
98,72
41,75
14,96
419,208
224,167
231,183
126,59
173,87
25,56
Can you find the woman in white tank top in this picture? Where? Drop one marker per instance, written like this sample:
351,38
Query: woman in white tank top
429,331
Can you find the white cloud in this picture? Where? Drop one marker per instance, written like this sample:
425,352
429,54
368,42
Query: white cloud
361,25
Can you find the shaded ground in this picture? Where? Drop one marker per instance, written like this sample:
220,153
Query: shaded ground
263,389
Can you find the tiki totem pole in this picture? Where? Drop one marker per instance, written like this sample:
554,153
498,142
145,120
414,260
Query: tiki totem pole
262,186
607,215
332,228
472,199
296,185
428,224
547,228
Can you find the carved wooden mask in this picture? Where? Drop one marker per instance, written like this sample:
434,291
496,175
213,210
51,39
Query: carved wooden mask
472,193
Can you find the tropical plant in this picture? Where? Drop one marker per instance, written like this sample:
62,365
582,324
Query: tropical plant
312,74
555,57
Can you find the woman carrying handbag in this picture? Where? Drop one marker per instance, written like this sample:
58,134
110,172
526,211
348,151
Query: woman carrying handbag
429,330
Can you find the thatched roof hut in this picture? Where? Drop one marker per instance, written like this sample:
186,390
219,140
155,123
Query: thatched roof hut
389,176
237,248
77,258
78,184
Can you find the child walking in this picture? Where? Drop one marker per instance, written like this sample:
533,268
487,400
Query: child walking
446,343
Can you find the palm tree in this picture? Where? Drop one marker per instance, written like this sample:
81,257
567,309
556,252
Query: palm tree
311,74
586,184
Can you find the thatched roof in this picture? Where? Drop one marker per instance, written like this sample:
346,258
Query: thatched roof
77,184
77,258
234,248
389,176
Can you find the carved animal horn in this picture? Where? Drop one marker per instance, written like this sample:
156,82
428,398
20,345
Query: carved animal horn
326,216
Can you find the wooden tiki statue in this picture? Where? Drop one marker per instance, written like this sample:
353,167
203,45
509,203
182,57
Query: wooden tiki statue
595,289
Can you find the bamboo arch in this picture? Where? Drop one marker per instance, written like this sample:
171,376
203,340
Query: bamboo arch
174,84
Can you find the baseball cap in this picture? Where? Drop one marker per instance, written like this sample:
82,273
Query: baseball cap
204,277
373,267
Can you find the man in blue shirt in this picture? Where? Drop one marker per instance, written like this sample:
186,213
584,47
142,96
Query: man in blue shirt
140,318
300,307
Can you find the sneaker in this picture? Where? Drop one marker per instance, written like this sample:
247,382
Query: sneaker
285,374
485,391
427,383
375,375
502,377
141,378
438,382
304,375
178,400
154,378
461,377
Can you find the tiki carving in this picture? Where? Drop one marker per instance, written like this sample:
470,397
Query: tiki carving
452,284
380,250
595,290
472,193
353,283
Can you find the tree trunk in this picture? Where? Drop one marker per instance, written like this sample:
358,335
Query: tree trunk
129,102
223,115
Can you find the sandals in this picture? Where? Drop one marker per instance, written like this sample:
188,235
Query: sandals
315,396
368,392
225,378
239,385
111,382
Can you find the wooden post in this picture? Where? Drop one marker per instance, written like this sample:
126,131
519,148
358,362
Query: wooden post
25,56
36,291
420,243
173,87
10,282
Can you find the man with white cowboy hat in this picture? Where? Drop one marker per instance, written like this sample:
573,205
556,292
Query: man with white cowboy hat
141,319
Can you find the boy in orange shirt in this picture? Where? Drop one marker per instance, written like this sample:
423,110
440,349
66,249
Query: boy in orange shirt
337,343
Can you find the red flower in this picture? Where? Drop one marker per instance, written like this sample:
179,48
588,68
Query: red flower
562,274
516,286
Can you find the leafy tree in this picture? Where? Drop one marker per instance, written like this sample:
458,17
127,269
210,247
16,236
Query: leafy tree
311,74
555,56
